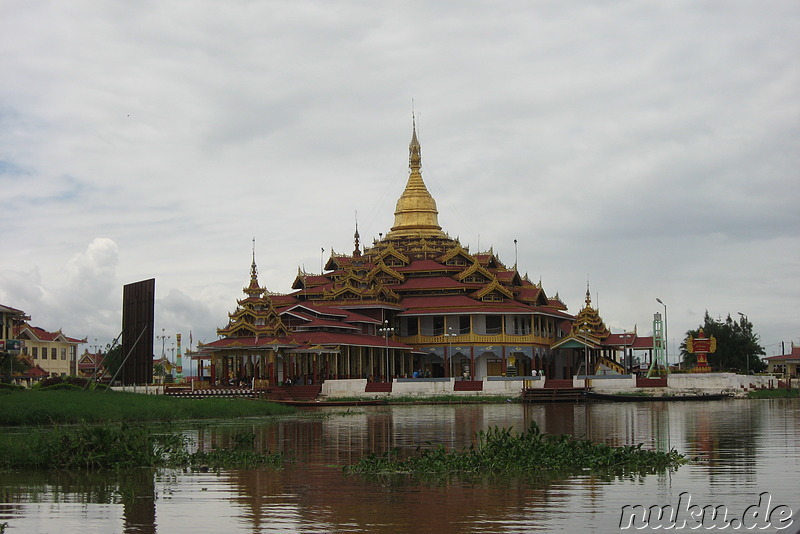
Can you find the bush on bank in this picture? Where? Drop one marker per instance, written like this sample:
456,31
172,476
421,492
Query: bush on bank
774,393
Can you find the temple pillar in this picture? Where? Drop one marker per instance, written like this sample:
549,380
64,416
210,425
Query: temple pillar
472,362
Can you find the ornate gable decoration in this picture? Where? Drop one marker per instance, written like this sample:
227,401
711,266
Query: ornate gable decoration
457,255
392,257
493,292
475,274
488,259
344,291
248,324
383,269
384,293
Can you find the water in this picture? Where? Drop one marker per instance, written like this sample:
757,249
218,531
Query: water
745,448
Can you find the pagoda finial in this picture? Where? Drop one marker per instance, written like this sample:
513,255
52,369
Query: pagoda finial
356,237
588,296
414,149
253,265
254,289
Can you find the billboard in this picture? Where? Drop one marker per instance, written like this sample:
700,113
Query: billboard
10,345
138,316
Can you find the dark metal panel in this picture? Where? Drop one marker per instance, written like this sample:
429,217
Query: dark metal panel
138,316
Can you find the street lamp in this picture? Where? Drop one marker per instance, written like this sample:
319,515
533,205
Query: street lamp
666,334
163,339
584,334
386,330
626,337
449,335
747,355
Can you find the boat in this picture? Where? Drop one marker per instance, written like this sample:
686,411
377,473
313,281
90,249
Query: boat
321,404
591,395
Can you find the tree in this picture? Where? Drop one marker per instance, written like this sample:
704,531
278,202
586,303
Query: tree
737,346
112,360
10,364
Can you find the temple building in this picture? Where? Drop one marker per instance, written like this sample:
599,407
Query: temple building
416,303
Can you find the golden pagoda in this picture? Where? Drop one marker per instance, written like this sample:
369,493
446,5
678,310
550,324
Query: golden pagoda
416,303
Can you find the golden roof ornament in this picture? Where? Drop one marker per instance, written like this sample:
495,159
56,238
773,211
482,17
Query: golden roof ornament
415,213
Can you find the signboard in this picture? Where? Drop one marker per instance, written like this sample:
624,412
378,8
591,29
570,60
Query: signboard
10,345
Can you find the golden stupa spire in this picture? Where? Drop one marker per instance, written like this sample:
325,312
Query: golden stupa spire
415,213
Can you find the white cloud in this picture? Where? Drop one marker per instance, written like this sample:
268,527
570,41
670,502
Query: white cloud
648,146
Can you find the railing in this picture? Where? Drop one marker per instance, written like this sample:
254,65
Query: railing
473,338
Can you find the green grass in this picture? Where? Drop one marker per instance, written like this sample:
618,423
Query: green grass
503,451
773,393
18,408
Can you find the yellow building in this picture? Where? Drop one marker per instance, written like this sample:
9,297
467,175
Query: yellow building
52,351
786,365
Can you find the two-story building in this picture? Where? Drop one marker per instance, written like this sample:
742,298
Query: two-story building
54,352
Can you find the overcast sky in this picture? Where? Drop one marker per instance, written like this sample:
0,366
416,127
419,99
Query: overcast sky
649,148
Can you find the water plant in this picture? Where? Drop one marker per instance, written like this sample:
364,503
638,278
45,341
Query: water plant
502,450
118,446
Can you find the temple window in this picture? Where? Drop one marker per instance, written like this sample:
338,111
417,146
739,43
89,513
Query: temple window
494,324
410,326
438,326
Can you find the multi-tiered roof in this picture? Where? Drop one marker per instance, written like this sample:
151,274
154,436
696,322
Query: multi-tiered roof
415,269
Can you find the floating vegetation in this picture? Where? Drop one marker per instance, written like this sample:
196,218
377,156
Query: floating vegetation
503,451
118,446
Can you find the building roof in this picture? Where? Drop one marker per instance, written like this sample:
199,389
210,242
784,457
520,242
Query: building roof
10,310
40,334
424,266
430,282
794,354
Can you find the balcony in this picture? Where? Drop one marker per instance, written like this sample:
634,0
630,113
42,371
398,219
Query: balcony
473,339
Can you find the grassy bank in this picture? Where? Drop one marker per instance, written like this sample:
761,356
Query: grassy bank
69,407
773,393
121,445
503,451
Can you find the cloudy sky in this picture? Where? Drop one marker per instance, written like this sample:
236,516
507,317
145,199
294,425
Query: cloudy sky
649,148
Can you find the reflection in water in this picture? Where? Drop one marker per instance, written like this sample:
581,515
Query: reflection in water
745,447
